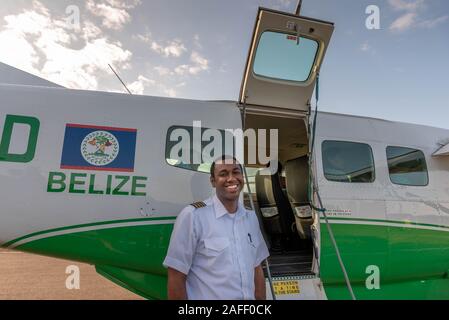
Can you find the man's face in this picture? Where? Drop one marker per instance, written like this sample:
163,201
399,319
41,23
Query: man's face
227,180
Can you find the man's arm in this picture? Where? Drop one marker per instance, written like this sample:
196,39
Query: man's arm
176,285
259,283
180,254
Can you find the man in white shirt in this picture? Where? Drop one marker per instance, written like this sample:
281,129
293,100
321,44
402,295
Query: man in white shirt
216,249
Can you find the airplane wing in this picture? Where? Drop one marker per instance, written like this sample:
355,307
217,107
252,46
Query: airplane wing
11,75
443,151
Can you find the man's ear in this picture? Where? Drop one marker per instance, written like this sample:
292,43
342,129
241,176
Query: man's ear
212,181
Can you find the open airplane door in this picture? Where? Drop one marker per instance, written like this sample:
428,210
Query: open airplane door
283,61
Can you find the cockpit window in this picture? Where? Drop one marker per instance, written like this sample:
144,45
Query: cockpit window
349,162
407,166
285,57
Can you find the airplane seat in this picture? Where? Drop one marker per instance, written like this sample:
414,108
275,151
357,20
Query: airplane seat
277,214
297,181
259,218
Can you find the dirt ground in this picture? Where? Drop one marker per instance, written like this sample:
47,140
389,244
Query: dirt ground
32,277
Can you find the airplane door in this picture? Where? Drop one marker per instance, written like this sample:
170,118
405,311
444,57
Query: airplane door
284,60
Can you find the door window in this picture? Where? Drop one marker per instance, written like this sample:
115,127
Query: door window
285,57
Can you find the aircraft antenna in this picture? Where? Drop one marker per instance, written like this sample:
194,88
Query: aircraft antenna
119,79
298,8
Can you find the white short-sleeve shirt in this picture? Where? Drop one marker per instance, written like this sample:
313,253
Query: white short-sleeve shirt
218,251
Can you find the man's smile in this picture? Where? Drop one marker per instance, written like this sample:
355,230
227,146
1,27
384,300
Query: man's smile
233,187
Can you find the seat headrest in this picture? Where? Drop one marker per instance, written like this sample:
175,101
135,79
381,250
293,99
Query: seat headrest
264,189
297,179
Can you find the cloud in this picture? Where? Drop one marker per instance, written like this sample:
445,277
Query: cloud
182,69
170,92
45,46
404,22
145,85
432,23
223,68
196,41
408,19
365,47
113,12
162,71
91,31
199,64
143,37
125,4
138,87
173,48
192,65
411,18
402,5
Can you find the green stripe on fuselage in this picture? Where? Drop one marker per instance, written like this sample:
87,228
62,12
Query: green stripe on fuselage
137,250
413,262
74,227
404,222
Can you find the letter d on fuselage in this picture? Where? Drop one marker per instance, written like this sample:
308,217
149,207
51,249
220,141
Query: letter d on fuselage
7,137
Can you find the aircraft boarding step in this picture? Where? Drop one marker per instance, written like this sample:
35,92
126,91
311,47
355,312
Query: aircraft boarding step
296,263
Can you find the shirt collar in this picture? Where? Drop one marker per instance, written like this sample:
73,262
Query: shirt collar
220,209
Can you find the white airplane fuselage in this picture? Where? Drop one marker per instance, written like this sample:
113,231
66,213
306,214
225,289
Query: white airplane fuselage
119,215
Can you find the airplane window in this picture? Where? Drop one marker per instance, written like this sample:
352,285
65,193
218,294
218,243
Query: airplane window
285,57
348,162
407,166
183,152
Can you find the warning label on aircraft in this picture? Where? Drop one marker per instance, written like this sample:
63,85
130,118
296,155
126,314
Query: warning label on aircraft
286,287
98,148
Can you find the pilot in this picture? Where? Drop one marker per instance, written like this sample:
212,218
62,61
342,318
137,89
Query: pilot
216,249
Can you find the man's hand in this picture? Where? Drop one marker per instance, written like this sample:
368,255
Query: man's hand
259,283
176,285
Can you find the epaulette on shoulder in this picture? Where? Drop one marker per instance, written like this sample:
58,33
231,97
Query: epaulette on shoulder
199,204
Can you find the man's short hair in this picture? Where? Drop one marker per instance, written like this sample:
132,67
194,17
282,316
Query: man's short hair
223,158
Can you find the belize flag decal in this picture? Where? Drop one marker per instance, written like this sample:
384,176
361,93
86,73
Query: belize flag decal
98,148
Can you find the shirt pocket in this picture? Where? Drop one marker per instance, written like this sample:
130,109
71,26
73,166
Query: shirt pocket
214,247
252,245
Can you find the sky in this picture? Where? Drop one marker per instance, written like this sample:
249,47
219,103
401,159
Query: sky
197,49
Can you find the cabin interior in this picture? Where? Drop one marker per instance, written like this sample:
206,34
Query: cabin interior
281,200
